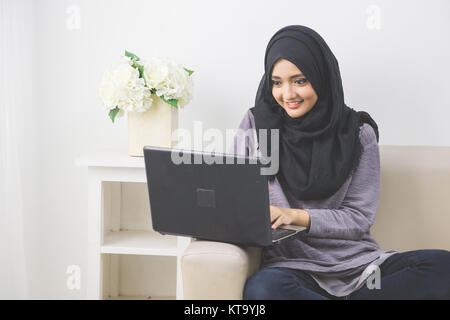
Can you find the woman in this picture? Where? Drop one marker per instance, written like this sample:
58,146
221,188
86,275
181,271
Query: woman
328,181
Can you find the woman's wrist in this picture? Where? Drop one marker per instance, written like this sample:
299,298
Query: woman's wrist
301,218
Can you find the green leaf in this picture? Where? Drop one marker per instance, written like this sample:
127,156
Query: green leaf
139,68
141,72
189,71
113,113
132,55
172,102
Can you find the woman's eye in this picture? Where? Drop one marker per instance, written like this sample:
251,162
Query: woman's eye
275,83
300,81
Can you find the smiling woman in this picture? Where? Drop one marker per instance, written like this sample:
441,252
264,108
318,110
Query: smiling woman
329,182
290,88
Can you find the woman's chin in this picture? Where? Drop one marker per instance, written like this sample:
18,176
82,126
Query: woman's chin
295,113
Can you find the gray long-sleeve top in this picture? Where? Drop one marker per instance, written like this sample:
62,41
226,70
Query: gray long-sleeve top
338,249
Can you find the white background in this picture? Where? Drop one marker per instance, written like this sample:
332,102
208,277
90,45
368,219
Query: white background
398,73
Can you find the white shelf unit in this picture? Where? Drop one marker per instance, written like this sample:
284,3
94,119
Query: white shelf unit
127,259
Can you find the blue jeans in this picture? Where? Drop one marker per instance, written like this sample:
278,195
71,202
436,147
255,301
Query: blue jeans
419,274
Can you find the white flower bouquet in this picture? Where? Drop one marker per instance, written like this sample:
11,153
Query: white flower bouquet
132,84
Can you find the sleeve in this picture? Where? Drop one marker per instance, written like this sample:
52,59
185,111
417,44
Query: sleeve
357,211
245,140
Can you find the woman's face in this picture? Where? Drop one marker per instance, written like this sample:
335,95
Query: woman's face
290,88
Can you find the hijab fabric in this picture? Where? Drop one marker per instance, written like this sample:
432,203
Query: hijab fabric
321,149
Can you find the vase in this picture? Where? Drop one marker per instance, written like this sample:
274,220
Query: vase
153,127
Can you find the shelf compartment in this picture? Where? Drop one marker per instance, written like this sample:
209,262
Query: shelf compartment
138,277
126,206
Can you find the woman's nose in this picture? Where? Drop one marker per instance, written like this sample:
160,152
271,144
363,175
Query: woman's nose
289,93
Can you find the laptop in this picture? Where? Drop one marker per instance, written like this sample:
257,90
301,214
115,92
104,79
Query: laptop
211,196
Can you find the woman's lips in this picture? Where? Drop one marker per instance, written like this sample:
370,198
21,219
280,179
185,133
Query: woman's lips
294,106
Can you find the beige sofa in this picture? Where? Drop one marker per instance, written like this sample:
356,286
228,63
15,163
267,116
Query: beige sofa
413,213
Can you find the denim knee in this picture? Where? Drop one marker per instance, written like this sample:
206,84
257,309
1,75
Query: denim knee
263,284
436,264
440,260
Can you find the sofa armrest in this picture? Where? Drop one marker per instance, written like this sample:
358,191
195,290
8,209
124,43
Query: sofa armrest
216,270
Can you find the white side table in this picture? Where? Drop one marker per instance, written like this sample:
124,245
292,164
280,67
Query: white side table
126,258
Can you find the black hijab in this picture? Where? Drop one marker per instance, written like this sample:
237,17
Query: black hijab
321,149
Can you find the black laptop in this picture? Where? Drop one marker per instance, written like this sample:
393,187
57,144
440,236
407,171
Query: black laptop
211,196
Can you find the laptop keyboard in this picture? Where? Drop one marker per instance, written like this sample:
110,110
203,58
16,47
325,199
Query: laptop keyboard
281,233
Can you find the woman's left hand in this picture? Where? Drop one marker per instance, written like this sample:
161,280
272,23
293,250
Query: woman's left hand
279,216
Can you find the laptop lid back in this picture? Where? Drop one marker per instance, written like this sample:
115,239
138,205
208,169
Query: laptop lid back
226,202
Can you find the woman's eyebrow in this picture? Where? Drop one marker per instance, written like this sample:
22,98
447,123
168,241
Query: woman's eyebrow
292,77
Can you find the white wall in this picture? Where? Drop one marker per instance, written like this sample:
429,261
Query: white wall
399,74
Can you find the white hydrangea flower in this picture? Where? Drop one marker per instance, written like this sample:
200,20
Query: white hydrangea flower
169,80
121,87
187,93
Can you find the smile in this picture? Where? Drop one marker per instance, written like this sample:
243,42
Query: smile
294,105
